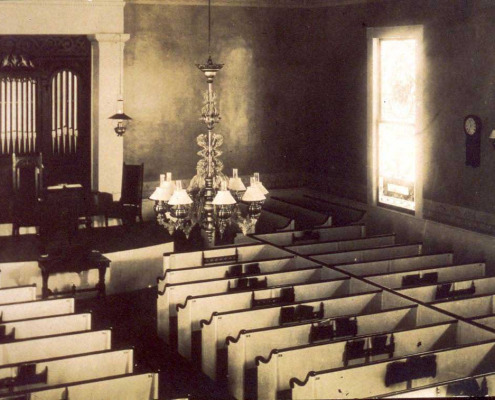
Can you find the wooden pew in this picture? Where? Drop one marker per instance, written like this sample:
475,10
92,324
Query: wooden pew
222,325
54,346
227,255
314,235
480,385
373,254
407,372
485,320
128,387
17,294
395,265
37,308
44,326
343,245
254,345
275,372
422,276
451,290
304,217
176,294
64,370
199,308
474,306
286,263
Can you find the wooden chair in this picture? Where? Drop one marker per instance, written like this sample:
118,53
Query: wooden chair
128,208
27,178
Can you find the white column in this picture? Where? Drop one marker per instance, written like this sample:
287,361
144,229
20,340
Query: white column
107,153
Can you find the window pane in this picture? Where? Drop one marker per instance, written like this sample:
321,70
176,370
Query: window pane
397,80
396,167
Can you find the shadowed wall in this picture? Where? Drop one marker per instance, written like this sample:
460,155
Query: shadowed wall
292,94
261,90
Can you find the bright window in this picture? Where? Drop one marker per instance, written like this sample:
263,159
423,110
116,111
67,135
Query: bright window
395,112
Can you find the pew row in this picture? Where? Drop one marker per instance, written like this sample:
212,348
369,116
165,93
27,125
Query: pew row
222,325
17,294
373,254
474,306
54,346
249,268
343,245
480,385
176,294
451,290
428,275
64,370
275,372
395,265
44,326
304,218
199,308
36,308
383,377
224,255
314,235
270,221
128,387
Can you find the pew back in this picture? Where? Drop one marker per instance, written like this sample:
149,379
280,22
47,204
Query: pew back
17,294
45,326
444,274
38,308
314,235
343,245
374,254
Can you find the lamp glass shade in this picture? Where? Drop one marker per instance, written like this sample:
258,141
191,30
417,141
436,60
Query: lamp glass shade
236,185
180,196
261,187
223,198
492,135
161,194
253,193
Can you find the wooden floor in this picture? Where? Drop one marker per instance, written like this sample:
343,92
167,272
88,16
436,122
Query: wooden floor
132,317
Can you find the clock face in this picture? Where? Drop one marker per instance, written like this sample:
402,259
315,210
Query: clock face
470,126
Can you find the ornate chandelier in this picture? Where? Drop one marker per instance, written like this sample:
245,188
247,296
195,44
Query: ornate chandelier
212,200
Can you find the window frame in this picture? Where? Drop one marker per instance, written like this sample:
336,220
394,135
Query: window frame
374,35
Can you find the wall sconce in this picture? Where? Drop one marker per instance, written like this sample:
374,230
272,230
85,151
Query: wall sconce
492,138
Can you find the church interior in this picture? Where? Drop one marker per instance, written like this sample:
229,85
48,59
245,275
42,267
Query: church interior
247,199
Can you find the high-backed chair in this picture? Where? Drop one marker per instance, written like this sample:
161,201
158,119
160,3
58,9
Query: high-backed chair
27,178
128,208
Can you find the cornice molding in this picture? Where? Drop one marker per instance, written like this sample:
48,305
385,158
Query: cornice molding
256,3
72,3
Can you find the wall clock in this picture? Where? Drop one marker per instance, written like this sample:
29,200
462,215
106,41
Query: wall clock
472,129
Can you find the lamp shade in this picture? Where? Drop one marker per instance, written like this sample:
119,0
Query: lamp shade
235,183
253,193
223,197
161,194
180,196
492,135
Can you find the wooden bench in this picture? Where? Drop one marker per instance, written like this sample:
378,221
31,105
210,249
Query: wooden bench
64,370
395,265
372,254
389,376
474,306
17,294
343,245
275,372
215,331
54,346
199,308
128,387
314,235
44,326
451,290
427,275
37,308
176,294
